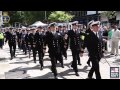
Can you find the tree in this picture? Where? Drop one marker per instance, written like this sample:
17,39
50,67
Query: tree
32,16
60,16
16,16
26,17
109,14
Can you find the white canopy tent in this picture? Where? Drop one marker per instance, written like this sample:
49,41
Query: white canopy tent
38,23
23,27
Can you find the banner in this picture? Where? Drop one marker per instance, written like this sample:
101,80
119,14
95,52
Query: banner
6,17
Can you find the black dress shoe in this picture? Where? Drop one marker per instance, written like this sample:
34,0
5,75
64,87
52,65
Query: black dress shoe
34,61
76,74
65,58
79,64
72,66
111,54
88,64
41,68
62,66
11,58
14,56
56,77
90,78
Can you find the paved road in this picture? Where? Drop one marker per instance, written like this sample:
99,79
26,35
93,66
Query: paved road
22,67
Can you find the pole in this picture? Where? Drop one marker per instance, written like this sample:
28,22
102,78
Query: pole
1,18
45,15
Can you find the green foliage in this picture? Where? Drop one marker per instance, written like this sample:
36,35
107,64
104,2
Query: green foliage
26,17
29,17
16,16
109,14
60,16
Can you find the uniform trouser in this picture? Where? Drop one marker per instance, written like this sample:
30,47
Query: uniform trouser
89,60
34,53
59,57
74,62
12,49
43,54
105,45
25,48
29,50
78,57
1,43
53,62
19,45
40,54
65,52
115,46
95,68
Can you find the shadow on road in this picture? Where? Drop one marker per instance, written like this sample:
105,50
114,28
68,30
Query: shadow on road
1,59
23,62
49,75
117,61
108,56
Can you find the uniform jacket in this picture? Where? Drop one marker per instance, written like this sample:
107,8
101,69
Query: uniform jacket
93,44
11,38
75,39
39,40
54,42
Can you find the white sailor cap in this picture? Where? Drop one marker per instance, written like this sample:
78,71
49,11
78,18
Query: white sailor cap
53,24
89,23
95,23
75,23
33,28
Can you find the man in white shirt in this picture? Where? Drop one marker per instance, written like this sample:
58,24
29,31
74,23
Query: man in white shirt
115,40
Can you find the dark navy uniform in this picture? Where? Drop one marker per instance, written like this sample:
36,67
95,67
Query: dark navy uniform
94,47
55,44
33,45
66,40
28,40
39,41
86,32
24,47
19,38
11,38
75,46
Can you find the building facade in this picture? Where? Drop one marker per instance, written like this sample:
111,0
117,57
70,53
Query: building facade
85,16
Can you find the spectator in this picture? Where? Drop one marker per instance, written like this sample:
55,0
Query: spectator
110,36
1,39
105,37
115,40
